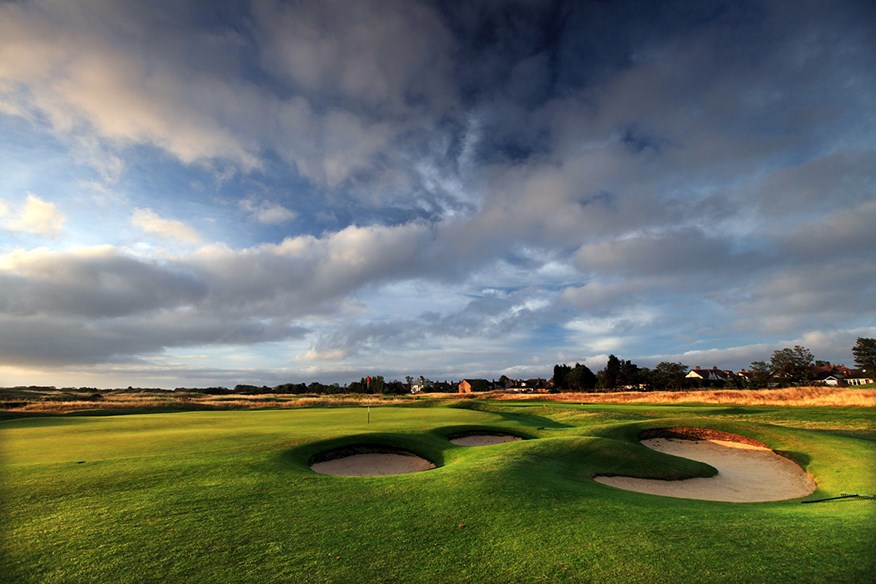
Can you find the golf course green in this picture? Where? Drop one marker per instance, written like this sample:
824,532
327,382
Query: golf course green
229,496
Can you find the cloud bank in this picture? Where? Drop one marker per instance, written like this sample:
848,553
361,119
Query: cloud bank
320,190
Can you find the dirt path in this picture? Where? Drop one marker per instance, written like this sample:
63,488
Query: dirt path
746,473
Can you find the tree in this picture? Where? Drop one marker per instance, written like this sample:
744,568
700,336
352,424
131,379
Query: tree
291,388
629,374
793,365
251,389
646,379
610,376
864,353
395,387
480,384
317,387
560,373
760,374
667,375
581,378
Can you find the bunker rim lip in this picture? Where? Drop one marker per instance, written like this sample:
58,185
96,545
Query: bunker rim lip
362,448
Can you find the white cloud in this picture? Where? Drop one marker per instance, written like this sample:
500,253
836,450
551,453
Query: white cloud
306,274
313,354
670,252
94,83
835,236
267,212
35,216
76,68
92,282
90,151
598,296
349,144
823,294
150,222
213,295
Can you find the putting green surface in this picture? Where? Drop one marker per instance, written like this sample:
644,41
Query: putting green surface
229,497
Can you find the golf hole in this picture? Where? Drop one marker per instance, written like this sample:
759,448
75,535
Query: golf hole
482,438
748,471
368,460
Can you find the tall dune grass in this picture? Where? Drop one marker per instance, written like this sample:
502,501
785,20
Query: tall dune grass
151,402
790,396
54,403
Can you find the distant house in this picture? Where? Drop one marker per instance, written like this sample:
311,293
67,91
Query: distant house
536,383
713,376
470,385
745,374
443,387
836,375
832,379
859,378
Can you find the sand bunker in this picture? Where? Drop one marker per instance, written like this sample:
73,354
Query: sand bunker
746,473
366,461
483,439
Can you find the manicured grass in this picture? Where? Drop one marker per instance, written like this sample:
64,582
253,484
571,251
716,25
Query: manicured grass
227,496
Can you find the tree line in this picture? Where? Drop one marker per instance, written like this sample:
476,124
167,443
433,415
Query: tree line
619,374
787,366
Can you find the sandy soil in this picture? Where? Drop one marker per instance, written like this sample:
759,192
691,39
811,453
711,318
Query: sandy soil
484,439
746,473
373,464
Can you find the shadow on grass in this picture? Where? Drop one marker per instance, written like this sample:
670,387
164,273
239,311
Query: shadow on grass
528,420
800,458
456,431
740,411
428,446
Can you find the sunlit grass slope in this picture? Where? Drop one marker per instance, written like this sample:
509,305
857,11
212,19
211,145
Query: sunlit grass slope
228,497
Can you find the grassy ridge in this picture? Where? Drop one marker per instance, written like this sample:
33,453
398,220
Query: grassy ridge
227,496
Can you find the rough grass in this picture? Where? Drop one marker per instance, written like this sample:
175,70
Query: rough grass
60,402
18,402
227,496
791,396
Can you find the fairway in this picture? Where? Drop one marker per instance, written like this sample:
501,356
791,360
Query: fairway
228,496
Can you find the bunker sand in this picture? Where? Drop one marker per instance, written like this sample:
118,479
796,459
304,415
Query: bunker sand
373,464
746,473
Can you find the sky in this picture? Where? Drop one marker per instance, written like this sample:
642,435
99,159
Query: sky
198,193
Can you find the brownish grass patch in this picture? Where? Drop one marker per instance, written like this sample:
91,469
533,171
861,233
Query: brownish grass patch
57,402
789,396
48,403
